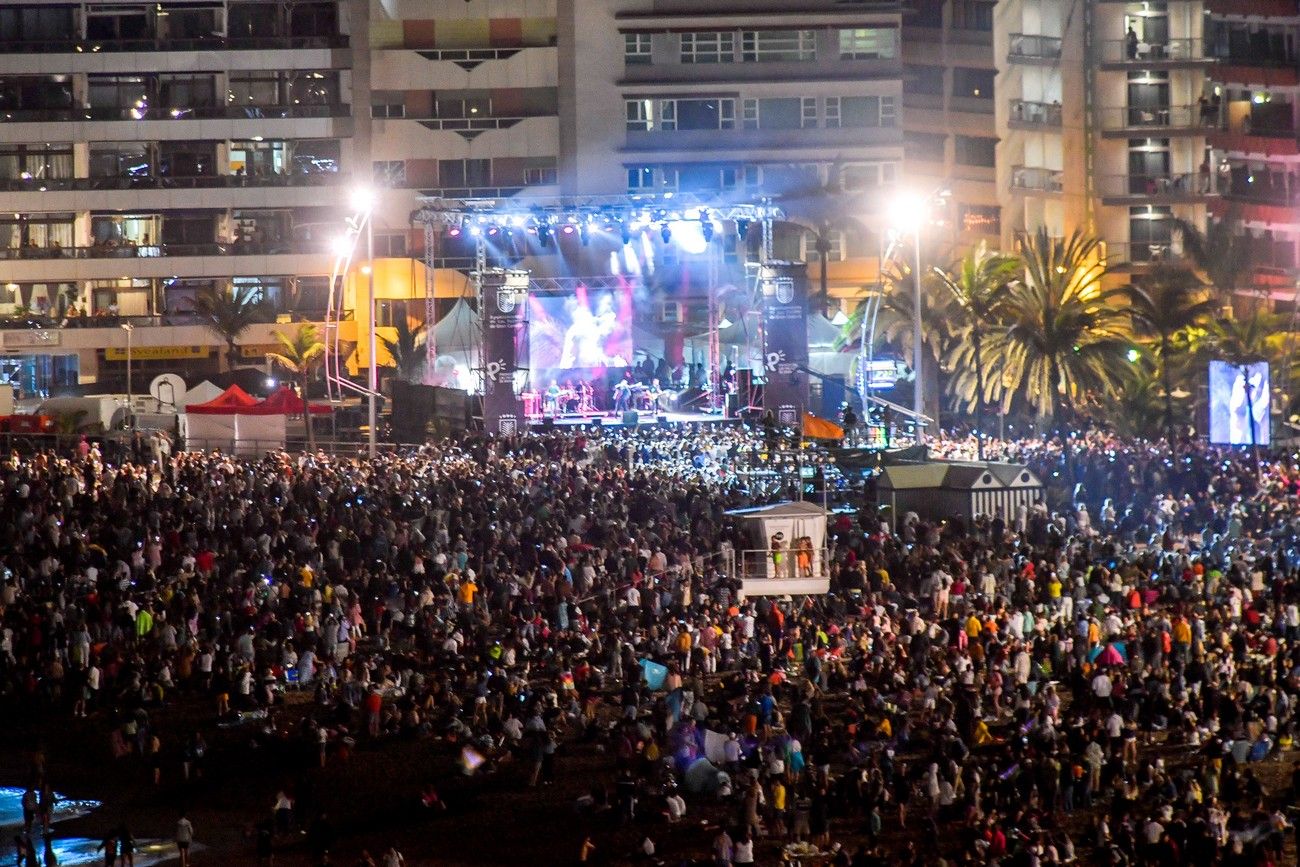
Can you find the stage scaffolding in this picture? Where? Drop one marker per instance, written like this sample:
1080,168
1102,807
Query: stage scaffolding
630,216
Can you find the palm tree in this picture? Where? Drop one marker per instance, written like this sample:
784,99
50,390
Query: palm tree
1138,407
407,350
1166,301
1242,343
1061,336
894,326
300,353
1224,257
978,283
824,209
229,314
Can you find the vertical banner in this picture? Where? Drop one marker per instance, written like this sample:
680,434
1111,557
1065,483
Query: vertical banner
505,294
785,342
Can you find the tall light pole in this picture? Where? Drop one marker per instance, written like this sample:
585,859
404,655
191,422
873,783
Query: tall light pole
364,201
908,213
130,397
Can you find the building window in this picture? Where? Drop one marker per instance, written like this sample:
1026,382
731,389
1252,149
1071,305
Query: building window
868,43
758,46
834,240
809,112
973,83
861,111
640,115
972,15
391,111
855,177
681,114
640,179
776,113
1150,233
390,173
637,48
923,79
728,178
390,246
711,46
984,219
976,151
465,173
36,163
544,176
929,13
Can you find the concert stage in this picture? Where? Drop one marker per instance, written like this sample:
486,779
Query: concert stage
645,418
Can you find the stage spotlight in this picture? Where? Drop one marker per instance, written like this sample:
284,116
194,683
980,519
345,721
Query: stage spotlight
454,231
568,229
476,231
492,230
665,233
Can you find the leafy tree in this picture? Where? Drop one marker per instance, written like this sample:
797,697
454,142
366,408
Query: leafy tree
228,314
978,283
1061,337
1226,259
1169,300
407,350
300,353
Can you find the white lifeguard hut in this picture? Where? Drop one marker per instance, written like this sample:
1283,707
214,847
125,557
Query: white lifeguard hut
766,568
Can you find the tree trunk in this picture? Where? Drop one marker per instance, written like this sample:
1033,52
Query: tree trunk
979,394
1169,398
306,415
1250,416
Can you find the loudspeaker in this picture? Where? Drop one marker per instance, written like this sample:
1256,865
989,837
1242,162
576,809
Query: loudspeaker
631,417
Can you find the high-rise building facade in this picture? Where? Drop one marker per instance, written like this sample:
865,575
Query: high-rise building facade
150,151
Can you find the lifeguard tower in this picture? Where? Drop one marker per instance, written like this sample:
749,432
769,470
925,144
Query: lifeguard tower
766,569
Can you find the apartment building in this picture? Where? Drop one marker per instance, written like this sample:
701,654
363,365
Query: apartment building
949,95
150,151
1255,84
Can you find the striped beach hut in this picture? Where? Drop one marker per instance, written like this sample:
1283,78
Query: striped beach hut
950,489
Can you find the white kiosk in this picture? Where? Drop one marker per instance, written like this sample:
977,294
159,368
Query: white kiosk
776,563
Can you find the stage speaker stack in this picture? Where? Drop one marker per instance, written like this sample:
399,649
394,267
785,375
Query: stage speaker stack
631,418
418,407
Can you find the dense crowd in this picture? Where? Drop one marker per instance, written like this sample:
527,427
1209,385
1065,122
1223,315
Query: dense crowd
1113,680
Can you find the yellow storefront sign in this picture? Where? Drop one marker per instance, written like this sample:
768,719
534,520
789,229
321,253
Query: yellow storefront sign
157,353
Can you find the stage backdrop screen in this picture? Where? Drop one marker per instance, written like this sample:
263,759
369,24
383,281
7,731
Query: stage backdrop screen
1229,421
576,334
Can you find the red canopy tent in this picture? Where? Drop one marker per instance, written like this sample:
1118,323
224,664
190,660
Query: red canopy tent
229,402
285,401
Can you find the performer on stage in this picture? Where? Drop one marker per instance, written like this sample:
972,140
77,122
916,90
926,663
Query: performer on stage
622,396
654,394
551,401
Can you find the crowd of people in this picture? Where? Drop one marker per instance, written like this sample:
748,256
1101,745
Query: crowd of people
1109,678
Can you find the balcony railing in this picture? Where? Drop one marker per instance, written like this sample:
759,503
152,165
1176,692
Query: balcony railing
101,319
1260,193
1167,117
1139,53
218,112
170,182
1029,113
1026,46
1033,178
153,251
1168,185
204,43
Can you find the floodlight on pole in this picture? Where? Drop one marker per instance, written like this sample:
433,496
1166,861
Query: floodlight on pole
364,200
908,212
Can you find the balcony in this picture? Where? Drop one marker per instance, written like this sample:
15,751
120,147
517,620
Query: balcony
1166,188
1269,141
1167,120
1037,179
216,112
206,43
1035,115
169,182
1029,48
1141,254
130,250
1120,53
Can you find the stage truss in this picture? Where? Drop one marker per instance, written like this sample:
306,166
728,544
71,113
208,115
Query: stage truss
546,218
